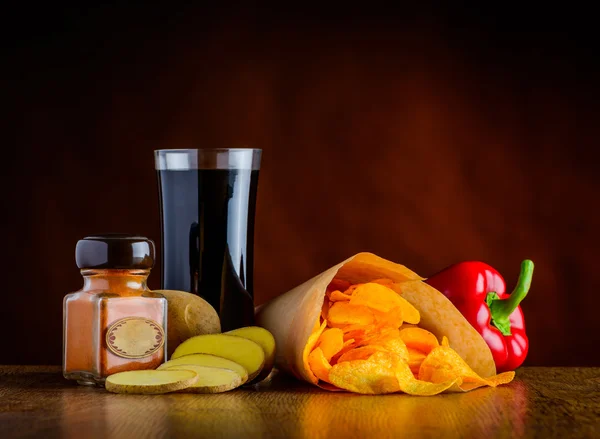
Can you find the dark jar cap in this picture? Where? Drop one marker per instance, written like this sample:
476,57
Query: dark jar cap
116,251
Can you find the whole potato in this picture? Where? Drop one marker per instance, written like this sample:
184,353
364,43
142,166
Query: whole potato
188,315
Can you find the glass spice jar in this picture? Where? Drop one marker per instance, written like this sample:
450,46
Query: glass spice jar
114,323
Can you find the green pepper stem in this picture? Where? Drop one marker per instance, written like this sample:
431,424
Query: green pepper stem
502,309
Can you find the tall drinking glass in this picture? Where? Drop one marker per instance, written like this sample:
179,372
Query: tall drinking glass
207,206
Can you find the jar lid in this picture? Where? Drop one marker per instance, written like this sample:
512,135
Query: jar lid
116,251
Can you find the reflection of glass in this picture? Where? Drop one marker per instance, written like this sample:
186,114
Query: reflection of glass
208,201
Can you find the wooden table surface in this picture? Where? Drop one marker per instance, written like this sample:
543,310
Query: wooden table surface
36,401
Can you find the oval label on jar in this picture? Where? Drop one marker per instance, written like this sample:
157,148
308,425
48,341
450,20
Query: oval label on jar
135,337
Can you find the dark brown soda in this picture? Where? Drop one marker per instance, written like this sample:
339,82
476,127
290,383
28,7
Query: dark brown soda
208,238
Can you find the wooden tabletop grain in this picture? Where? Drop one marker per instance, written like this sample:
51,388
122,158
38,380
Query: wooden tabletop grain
36,401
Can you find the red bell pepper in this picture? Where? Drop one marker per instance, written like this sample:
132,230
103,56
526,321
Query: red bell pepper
479,293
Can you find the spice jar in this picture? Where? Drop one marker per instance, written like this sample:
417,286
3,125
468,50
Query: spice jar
114,323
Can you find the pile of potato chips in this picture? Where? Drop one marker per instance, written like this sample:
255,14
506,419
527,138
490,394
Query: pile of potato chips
367,341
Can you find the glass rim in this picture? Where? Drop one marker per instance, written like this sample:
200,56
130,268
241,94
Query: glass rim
207,158
157,151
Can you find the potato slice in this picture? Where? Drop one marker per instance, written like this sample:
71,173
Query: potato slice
188,315
265,340
241,350
209,361
150,381
210,379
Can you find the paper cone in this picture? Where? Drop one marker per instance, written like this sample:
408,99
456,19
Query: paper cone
291,317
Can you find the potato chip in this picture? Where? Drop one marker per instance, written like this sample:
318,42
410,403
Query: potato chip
407,383
445,341
390,342
354,334
383,373
361,353
420,339
348,345
386,282
325,309
344,313
410,313
363,330
444,364
381,298
331,342
386,358
396,346
350,290
360,335
415,358
319,365
380,336
392,318
318,327
375,296
365,376
357,327
501,378
338,284
338,296
310,344
357,338
496,380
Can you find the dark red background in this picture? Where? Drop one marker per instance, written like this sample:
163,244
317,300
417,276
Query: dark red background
427,137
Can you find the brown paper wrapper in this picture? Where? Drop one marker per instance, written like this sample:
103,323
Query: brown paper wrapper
291,317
